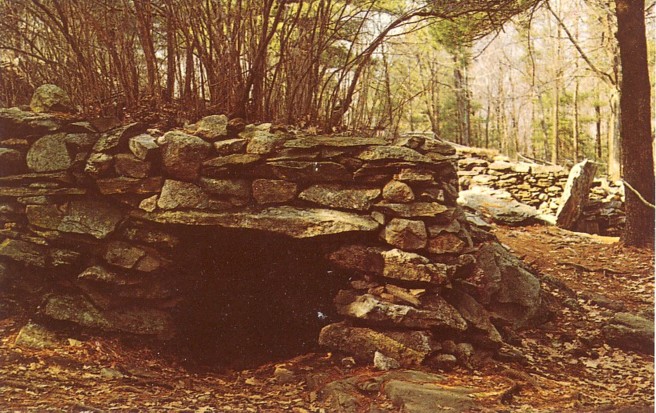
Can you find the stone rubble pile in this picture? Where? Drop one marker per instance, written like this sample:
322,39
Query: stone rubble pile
89,211
541,186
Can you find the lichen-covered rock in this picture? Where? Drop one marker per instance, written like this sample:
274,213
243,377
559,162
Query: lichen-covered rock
143,146
339,196
311,171
36,336
358,258
273,191
51,98
230,146
50,153
415,209
183,155
405,234
117,139
212,128
371,309
630,332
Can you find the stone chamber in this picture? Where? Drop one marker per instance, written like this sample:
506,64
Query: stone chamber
224,236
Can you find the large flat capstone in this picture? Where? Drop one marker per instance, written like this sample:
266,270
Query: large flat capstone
291,221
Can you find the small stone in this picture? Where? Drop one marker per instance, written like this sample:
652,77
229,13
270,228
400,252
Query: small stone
230,146
384,363
143,146
396,191
149,204
36,336
284,376
178,194
446,243
263,143
96,218
239,188
98,164
51,98
212,128
11,160
408,266
405,234
444,362
183,155
272,191
129,165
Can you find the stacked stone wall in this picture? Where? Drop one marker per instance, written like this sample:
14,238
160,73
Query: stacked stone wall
89,211
541,186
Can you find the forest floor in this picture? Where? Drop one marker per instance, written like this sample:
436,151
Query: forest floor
565,366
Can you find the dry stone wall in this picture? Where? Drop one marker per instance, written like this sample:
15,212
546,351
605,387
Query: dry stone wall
90,212
541,186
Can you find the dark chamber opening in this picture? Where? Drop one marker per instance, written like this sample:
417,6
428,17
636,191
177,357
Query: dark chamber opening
251,297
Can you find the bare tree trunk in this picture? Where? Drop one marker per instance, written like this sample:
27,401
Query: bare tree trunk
637,142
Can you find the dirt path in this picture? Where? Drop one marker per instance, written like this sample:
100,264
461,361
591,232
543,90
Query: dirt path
564,365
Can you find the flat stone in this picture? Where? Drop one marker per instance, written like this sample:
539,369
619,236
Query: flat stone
212,128
412,397
409,347
51,98
16,123
338,196
183,155
127,185
238,188
25,252
398,192
500,166
234,160
49,154
332,141
129,256
92,217
135,320
499,205
373,310
273,191
392,153
414,209
129,165
408,266
310,171
359,258
178,194
36,192
230,146
143,146
405,234
447,243
291,221
416,176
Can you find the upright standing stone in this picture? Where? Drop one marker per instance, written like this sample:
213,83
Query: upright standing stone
576,193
